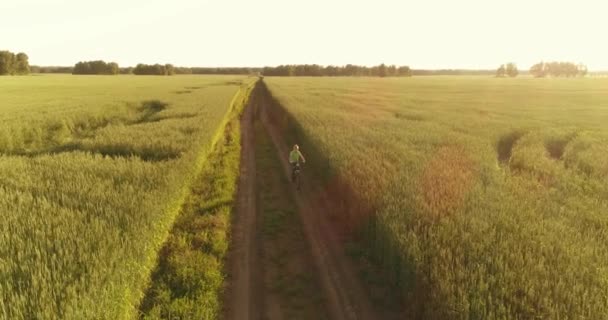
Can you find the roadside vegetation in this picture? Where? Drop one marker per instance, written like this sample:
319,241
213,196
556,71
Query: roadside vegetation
189,278
478,198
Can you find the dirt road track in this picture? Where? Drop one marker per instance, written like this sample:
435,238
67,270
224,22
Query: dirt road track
241,295
345,295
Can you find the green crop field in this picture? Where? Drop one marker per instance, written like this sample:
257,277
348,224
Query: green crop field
489,197
93,171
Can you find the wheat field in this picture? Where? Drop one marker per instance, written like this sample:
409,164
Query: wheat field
486,198
93,171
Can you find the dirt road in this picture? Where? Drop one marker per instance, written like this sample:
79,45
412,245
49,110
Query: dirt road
345,295
242,285
247,295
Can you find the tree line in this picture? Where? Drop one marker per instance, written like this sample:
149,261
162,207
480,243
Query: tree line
14,64
558,69
101,67
96,67
452,72
223,70
169,69
352,70
542,69
18,64
51,69
246,71
508,70
315,70
154,69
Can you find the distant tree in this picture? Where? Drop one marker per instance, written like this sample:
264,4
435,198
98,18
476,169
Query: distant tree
183,70
554,69
299,70
280,71
51,69
582,70
314,70
372,72
202,70
154,69
558,69
7,59
127,70
331,71
382,70
512,70
140,69
289,70
96,67
112,68
22,65
82,68
11,64
349,70
404,71
538,70
169,69
454,72
568,69
391,71
501,71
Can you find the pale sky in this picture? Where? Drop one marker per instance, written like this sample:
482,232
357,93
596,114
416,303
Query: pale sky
419,33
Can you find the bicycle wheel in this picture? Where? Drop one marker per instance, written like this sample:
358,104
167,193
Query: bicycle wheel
298,180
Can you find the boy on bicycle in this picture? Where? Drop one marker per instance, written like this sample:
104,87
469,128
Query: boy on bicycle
294,159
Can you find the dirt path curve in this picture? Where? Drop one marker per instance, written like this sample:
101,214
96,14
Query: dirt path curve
345,295
241,291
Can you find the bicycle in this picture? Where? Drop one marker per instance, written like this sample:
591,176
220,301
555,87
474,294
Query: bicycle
295,175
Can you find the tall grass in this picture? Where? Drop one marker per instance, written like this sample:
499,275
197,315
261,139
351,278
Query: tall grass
489,196
189,278
89,191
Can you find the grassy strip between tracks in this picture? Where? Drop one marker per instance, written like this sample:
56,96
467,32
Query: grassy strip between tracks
188,280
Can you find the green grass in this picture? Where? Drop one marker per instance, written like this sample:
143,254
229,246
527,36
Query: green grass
93,171
189,279
488,197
